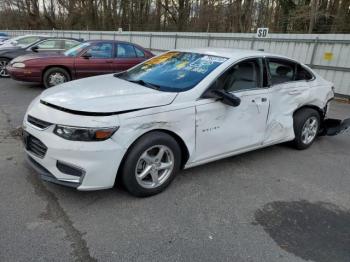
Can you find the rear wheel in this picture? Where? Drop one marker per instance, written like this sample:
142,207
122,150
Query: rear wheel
3,63
55,76
306,127
151,164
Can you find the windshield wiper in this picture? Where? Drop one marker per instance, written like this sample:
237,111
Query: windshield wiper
143,83
122,75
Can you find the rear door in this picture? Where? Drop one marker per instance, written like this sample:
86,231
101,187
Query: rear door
127,56
289,89
97,59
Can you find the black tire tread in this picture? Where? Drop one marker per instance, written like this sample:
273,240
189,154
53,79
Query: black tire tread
5,59
133,154
299,120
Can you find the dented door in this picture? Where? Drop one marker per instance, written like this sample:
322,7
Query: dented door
284,100
223,129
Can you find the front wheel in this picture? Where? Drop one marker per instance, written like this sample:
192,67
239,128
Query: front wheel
151,164
3,63
306,127
55,76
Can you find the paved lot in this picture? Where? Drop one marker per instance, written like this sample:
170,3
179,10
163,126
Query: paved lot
275,204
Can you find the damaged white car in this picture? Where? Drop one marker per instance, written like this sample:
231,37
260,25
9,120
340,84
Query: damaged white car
177,110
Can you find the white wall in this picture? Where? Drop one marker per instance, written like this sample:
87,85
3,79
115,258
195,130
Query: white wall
307,48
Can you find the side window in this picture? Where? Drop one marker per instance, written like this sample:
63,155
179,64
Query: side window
50,44
28,40
100,50
242,76
139,52
125,51
281,71
303,74
68,44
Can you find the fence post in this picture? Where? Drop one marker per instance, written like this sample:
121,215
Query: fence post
175,41
314,50
150,41
208,40
252,43
130,37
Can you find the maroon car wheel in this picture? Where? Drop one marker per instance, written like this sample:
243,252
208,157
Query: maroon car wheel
3,63
55,76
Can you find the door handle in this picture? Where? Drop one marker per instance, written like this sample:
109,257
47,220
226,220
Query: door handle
263,99
109,62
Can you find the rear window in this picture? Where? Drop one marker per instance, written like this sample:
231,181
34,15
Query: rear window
303,74
139,52
281,71
125,51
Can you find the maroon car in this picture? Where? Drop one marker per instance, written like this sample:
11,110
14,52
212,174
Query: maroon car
87,59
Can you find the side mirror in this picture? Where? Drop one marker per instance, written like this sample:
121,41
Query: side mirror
14,43
225,97
35,48
86,56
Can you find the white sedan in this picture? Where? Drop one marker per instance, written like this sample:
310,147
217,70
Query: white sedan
178,110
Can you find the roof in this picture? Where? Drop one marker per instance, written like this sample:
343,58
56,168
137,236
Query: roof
63,37
234,53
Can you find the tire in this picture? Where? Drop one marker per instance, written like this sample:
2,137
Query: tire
55,76
140,165
304,129
3,63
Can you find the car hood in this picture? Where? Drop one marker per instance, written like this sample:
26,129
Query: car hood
24,58
4,48
104,95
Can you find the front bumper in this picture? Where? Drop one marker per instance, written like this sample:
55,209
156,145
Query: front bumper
24,74
98,161
47,176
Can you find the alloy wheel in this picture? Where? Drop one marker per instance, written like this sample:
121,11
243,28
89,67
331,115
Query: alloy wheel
309,130
3,71
57,78
154,166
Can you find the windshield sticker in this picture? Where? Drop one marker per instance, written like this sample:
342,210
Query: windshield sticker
213,59
161,59
197,69
182,64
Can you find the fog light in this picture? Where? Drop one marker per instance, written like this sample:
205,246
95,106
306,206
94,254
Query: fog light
69,169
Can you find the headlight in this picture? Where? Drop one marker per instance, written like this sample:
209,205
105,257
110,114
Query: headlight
84,133
18,65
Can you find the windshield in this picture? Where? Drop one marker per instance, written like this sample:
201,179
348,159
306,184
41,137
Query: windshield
173,71
76,50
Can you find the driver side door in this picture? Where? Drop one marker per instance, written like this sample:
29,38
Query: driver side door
223,130
97,59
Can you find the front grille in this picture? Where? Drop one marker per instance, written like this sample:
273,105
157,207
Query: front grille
37,122
34,145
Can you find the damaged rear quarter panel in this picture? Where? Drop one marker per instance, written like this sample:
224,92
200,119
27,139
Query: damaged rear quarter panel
287,98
